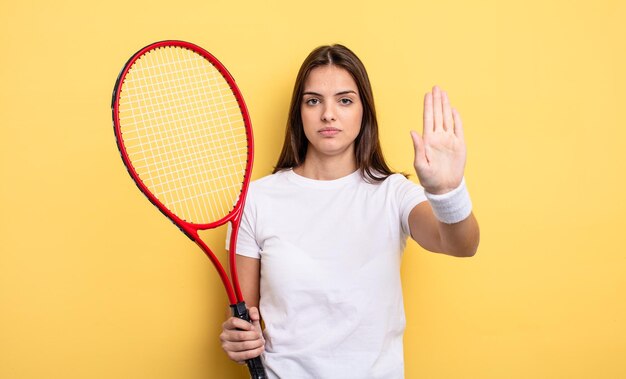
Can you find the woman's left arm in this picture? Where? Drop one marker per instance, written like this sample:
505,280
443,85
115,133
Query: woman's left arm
459,239
445,224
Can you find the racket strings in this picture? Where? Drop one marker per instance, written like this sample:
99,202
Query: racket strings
220,145
161,156
151,93
184,133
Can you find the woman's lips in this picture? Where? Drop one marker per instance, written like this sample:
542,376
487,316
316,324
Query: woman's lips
329,132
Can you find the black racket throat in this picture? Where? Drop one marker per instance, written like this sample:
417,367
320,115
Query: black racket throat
240,311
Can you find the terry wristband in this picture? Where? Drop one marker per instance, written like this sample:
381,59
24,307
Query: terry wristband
451,207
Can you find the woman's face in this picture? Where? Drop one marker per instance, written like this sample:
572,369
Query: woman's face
331,111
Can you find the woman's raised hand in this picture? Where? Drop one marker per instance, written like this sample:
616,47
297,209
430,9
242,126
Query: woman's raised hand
440,152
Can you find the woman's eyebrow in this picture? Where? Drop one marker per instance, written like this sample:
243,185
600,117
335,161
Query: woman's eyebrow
337,94
345,92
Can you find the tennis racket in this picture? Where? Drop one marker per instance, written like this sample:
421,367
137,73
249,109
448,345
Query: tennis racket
185,136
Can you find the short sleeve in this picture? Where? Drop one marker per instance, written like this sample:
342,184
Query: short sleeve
409,195
246,239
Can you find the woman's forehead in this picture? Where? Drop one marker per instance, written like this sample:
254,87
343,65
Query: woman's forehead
329,77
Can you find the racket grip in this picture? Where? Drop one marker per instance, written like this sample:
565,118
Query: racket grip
255,365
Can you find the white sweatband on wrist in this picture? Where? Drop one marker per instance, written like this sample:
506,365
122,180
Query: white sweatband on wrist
451,207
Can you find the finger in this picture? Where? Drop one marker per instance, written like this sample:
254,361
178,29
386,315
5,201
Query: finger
236,323
240,346
428,113
437,110
420,152
458,124
448,122
242,356
238,336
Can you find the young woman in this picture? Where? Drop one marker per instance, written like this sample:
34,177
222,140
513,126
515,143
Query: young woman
321,239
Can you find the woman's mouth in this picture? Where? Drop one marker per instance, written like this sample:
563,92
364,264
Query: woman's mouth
329,132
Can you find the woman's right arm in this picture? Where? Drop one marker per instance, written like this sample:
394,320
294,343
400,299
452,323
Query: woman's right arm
240,339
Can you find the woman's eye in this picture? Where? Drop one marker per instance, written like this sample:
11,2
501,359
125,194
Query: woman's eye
345,101
313,101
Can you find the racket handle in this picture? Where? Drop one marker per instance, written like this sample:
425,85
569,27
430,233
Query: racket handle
255,365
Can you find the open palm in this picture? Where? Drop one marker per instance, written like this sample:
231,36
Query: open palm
440,152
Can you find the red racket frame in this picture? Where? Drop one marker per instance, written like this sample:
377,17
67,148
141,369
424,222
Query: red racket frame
190,229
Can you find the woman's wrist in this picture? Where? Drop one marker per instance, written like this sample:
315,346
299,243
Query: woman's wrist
451,207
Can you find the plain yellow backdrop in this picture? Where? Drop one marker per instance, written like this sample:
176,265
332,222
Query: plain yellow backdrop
95,283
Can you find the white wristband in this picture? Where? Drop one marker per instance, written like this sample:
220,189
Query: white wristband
451,207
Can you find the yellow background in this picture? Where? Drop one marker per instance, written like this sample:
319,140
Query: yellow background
95,283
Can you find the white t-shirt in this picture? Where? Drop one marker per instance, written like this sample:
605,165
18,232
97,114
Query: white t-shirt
331,296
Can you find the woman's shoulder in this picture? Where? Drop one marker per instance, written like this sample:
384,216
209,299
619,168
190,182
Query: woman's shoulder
398,183
377,178
269,182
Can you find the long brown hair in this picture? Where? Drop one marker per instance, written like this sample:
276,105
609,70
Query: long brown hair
369,156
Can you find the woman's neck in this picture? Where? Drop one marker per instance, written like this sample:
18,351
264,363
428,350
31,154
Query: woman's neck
328,168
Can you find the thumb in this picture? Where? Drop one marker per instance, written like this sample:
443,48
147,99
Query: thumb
255,317
420,153
253,312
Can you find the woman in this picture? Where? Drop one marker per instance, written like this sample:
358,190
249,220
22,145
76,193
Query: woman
321,240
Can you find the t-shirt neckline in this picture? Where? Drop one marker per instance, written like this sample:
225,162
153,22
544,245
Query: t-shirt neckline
354,177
